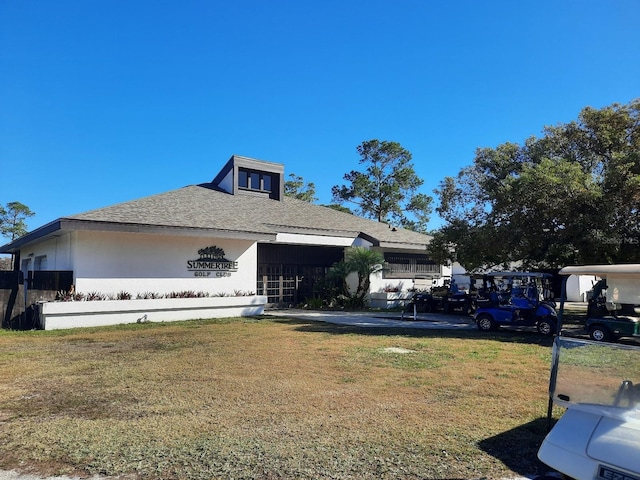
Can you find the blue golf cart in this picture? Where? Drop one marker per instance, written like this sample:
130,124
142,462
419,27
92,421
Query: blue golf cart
516,299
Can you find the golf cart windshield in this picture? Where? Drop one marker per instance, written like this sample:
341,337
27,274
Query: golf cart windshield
530,284
598,377
595,376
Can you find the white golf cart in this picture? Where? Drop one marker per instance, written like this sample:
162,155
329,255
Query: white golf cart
598,436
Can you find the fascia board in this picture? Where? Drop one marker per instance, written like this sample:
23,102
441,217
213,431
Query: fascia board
316,240
30,237
64,225
402,246
321,232
166,230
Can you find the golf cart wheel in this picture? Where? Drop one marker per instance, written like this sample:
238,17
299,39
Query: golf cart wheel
546,326
485,322
599,333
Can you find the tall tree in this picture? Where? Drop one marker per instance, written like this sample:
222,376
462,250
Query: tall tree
296,188
12,220
387,191
571,196
5,263
339,208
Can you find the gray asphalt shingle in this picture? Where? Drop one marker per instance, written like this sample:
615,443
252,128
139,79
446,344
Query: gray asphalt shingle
202,207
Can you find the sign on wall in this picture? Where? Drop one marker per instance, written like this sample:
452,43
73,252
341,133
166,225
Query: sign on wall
212,262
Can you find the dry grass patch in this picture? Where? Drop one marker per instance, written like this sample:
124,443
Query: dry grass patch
272,399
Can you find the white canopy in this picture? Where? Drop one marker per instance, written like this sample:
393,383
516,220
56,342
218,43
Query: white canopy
603,271
623,281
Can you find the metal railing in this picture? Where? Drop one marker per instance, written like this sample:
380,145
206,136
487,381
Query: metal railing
410,270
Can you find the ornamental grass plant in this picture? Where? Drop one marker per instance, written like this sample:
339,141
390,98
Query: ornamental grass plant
266,399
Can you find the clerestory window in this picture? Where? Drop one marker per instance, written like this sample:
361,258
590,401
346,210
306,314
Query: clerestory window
254,180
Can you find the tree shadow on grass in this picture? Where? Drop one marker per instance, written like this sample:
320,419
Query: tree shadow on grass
504,335
518,448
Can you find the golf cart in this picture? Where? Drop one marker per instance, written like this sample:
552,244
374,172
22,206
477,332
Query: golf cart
447,297
462,300
598,436
608,318
516,299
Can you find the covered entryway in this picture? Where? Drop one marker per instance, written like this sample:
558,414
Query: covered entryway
287,273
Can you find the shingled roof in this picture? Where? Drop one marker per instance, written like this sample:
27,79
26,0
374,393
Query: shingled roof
203,210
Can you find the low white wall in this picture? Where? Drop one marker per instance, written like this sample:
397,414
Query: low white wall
379,284
58,315
387,300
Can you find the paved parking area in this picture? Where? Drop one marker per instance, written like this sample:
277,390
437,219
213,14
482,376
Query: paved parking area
379,319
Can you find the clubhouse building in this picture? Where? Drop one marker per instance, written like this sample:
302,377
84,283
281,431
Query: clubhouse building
237,235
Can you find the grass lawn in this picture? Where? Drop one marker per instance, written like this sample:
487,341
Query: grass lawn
267,399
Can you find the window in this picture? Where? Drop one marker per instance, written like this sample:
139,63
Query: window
253,180
243,179
25,266
40,263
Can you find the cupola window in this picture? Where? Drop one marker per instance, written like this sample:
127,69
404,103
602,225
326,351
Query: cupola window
253,180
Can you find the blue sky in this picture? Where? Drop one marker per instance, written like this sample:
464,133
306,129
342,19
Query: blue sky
105,101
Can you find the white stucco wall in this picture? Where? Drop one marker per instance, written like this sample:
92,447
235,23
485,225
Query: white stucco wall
303,239
57,251
112,262
137,263
379,284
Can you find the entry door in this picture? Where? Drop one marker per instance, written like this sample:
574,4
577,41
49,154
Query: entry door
288,284
279,283
288,273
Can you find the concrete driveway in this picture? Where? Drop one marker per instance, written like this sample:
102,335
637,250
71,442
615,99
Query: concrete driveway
379,319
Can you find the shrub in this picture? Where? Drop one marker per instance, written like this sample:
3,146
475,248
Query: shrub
148,295
94,296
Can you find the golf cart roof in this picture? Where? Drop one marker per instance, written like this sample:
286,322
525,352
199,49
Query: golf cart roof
603,271
518,274
623,281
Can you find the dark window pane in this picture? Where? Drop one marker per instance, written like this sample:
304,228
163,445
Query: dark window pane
267,182
255,181
243,180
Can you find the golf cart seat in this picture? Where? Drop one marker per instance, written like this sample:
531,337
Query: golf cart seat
504,299
494,299
612,307
623,311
